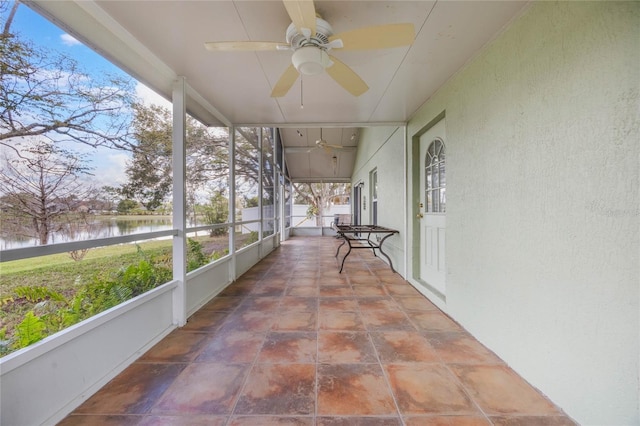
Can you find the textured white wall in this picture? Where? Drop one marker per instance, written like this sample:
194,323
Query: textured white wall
543,220
381,148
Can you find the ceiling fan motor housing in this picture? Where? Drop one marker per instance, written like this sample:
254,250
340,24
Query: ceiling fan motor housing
321,37
310,56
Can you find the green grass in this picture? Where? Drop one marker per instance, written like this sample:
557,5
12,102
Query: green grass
35,263
60,273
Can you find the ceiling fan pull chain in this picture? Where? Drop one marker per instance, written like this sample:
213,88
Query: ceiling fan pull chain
301,90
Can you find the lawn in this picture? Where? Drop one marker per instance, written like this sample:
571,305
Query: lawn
62,274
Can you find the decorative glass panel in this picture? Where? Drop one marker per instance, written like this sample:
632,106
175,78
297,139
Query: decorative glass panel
435,179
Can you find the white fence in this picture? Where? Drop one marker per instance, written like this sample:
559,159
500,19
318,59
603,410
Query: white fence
298,216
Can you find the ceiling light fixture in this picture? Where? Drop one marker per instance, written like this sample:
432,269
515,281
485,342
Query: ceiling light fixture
310,60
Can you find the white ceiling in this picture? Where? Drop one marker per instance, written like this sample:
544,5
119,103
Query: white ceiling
156,41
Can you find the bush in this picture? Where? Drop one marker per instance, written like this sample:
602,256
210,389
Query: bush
47,311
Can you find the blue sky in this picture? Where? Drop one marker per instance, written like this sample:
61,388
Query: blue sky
109,164
42,32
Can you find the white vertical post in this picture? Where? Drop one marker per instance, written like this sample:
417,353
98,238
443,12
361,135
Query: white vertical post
232,202
276,195
407,204
260,161
179,202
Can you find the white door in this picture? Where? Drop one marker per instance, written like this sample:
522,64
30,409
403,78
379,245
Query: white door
432,207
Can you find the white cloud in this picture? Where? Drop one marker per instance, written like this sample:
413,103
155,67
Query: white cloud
149,97
69,40
110,170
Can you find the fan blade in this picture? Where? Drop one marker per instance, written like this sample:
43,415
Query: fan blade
244,46
302,14
342,147
347,78
298,150
377,37
287,79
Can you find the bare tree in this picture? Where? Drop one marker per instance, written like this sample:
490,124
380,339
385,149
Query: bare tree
319,196
41,183
45,94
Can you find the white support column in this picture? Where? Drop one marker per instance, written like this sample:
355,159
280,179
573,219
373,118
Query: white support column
232,202
277,196
179,202
260,161
407,204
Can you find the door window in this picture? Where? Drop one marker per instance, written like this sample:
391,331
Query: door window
435,180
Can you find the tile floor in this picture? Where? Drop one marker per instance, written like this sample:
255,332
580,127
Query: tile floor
293,342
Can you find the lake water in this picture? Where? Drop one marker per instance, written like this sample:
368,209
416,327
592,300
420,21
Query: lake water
98,228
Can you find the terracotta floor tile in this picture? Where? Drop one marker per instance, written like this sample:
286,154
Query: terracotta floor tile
333,281
353,389
279,389
299,280
434,321
384,320
377,304
369,290
197,420
446,421
392,278
345,347
532,421
205,321
259,303
498,390
403,346
356,270
192,392
358,421
274,281
292,303
134,391
294,342
223,303
336,291
100,420
306,291
238,289
338,304
296,321
271,421
461,348
249,320
340,320
415,303
396,287
268,290
292,347
364,280
232,347
178,346
428,389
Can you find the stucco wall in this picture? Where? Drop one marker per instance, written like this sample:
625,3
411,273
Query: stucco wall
543,213
381,148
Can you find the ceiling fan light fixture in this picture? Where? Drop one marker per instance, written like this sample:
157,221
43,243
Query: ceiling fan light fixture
310,60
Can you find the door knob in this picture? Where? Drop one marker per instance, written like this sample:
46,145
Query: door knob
419,215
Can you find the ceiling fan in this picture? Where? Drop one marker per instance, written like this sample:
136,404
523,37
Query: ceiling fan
320,144
323,144
311,38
